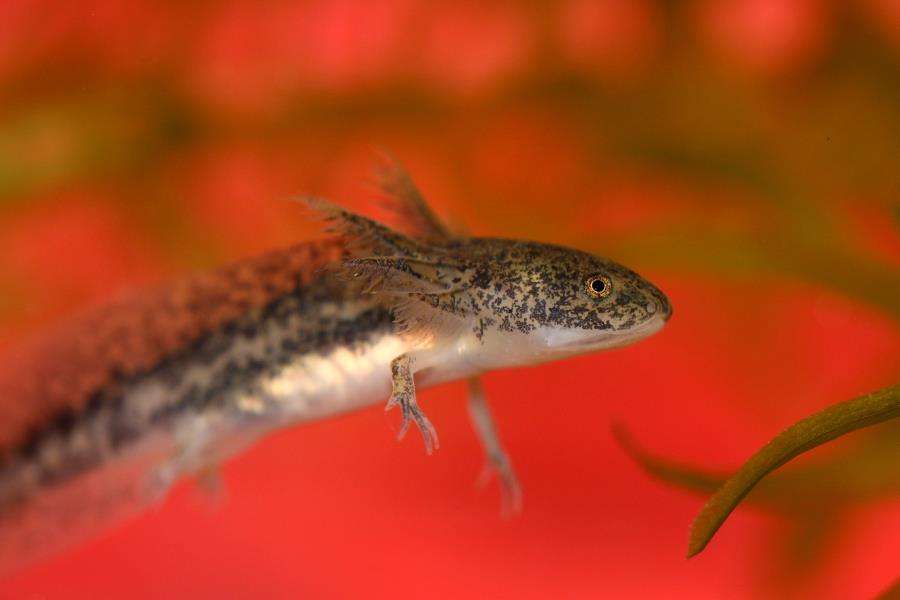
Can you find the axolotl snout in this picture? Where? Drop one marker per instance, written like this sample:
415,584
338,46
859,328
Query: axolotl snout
124,400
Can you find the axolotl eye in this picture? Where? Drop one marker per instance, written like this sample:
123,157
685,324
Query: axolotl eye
598,286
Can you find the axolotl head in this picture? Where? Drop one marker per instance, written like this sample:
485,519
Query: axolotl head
530,302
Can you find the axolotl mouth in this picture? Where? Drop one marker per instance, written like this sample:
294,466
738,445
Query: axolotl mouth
578,341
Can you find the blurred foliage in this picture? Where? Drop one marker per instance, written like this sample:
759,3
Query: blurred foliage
822,489
892,593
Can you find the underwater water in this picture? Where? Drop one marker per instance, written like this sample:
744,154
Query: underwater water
741,154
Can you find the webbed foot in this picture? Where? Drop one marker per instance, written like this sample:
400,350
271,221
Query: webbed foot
404,396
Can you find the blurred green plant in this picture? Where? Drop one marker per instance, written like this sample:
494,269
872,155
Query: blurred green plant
801,492
892,593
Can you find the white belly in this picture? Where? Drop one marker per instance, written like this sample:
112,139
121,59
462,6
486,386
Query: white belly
316,386
313,386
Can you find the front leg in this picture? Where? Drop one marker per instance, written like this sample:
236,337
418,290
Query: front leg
404,395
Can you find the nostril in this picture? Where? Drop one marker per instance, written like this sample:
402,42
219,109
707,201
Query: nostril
664,307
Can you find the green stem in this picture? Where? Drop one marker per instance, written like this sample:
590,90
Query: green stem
805,435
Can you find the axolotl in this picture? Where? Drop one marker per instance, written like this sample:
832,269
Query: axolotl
106,412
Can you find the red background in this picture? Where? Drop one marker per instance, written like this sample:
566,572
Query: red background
741,154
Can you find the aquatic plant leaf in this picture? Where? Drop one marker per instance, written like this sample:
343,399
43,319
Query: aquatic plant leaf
801,437
862,472
679,475
891,593
815,497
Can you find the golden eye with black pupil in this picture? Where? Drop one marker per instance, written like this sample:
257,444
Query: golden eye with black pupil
598,286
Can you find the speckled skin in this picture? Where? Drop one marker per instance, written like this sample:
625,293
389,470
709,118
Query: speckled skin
493,287
137,394
510,285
